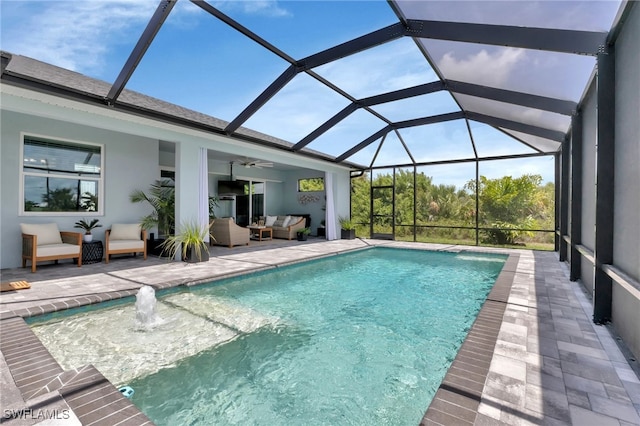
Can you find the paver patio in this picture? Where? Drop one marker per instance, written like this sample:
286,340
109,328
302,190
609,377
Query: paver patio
550,363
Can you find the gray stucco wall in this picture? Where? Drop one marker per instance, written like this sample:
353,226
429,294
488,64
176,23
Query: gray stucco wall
626,234
130,162
589,132
293,206
626,249
589,141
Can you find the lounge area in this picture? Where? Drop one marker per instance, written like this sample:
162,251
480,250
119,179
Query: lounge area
224,231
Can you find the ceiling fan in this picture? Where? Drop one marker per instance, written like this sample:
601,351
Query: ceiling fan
254,163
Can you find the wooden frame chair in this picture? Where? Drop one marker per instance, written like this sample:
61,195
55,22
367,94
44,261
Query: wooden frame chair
125,238
41,242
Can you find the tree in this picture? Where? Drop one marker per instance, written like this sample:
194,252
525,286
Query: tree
360,199
162,197
507,203
60,200
89,202
311,185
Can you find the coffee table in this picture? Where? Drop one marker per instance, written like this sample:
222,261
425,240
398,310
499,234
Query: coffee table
261,233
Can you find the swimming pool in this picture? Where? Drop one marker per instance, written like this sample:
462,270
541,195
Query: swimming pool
363,338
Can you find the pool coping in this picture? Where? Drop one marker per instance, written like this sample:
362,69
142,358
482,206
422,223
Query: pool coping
94,400
458,397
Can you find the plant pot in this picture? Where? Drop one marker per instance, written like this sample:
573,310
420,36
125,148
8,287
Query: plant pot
155,247
192,255
348,234
301,236
87,238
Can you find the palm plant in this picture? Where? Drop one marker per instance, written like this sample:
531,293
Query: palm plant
162,197
189,241
346,223
87,226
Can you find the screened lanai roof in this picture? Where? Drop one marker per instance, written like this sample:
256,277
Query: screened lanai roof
366,82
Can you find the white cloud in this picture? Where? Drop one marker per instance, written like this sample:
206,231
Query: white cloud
483,67
391,66
74,35
297,109
270,8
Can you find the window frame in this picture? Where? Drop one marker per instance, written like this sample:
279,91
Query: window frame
23,174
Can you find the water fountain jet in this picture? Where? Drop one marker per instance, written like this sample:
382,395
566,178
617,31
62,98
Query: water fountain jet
146,317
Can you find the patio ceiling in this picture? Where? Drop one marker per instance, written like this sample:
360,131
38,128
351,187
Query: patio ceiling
518,67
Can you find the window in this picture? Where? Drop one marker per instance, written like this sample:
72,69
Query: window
311,185
60,176
168,174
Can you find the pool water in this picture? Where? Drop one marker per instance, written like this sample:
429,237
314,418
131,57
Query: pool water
362,338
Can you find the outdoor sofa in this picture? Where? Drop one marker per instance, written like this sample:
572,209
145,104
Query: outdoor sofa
284,226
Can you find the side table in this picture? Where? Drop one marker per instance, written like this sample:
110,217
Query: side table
92,252
261,232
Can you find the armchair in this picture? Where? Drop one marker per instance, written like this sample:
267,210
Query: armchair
226,232
125,238
45,241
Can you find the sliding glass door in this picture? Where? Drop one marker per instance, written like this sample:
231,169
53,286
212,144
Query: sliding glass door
250,206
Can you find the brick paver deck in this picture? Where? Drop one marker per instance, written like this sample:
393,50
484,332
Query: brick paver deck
533,355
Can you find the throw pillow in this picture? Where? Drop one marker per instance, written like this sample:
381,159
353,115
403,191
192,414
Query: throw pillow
120,231
47,233
270,220
287,221
294,220
279,223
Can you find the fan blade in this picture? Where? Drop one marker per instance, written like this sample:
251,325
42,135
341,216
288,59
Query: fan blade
254,163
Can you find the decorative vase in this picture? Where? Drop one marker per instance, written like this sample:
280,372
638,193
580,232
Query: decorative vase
87,238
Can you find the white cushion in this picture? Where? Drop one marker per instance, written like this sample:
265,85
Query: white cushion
120,231
47,233
287,221
132,245
270,220
57,249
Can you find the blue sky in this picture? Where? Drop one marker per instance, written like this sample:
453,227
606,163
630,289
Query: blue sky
200,63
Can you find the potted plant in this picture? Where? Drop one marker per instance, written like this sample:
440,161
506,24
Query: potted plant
213,205
161,197
87,226
322,229
303,233
347,228
189,241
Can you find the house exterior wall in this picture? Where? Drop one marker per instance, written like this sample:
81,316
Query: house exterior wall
626,249
132,159
625,268
589,141
626,242
292,204
130,162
